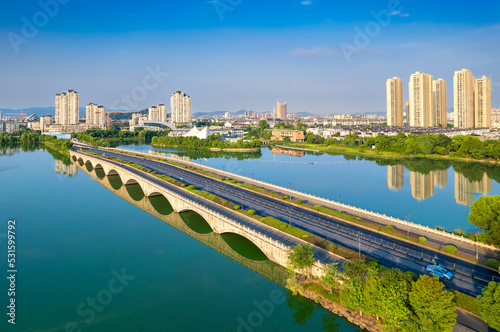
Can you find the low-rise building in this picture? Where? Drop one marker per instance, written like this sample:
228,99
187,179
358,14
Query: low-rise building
294,135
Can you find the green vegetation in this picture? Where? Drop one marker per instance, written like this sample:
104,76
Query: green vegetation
451,249
422,239
332,296
237,207
489,305
390,227
251,212
466,302
195,143
301,258
115,137
26,137
293,286
493,263
331,277
485,214
433,305
298,201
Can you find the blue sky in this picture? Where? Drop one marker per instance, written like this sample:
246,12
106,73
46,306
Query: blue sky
323,57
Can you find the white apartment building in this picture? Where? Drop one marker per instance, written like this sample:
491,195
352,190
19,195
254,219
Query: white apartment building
395,102
67,107
158,113
96,115
439,103
420,102
180,105
45,121
463,99
482,102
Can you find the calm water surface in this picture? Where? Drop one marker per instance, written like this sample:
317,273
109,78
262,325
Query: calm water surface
433,193
75,233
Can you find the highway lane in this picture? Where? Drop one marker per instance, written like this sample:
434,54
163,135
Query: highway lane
470,278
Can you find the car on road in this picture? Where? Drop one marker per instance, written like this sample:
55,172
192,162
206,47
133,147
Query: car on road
439,271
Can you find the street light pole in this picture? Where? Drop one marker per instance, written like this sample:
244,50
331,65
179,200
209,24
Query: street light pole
290,185
340,199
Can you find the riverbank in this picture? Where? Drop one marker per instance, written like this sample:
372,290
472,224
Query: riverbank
373,153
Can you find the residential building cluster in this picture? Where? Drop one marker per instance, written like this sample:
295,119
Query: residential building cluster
427,104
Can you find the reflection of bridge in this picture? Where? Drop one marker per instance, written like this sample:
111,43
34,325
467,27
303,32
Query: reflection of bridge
273,243
266,268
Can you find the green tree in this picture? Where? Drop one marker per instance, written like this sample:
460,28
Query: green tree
301,258
485,214
331,276
392,299
433,306
293,286
355,274
489,304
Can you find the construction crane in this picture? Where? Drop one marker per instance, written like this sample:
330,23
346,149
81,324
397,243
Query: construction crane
107,118
21,113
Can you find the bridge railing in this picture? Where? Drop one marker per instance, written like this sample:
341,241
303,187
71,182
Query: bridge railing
339,205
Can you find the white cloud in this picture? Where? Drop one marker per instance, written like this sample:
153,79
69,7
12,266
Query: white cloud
404,15
306,2
394,13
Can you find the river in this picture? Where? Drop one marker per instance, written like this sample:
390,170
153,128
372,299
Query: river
90,259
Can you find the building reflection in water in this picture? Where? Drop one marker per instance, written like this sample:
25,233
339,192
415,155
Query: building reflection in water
395,177
68,170
465,189
295,153
422,185
9,151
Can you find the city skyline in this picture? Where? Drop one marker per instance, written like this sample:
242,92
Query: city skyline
243,53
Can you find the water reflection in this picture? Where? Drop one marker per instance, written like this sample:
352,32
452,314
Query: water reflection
465,189
9,151
68,170
467,184
294,153
395,177
422,185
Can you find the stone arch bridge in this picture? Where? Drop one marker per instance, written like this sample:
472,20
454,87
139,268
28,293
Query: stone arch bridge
181,201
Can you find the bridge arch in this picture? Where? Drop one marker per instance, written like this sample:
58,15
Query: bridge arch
80,161
134,189
89,166
99,171
244,246
160,203
196,222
